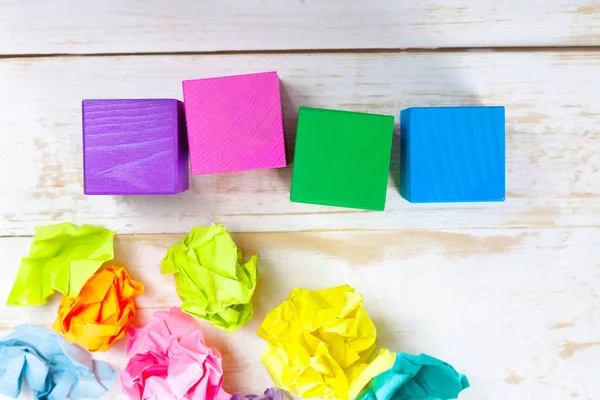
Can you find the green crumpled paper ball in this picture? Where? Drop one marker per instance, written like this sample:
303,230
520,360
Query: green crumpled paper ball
61,259
416,378
211,278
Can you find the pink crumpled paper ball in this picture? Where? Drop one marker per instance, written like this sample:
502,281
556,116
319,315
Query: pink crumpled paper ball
168,359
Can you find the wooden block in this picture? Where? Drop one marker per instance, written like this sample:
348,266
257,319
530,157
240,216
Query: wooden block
134,147
342,158
234,123
452,154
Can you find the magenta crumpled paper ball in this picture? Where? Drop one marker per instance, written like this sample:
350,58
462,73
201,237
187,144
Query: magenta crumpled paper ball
168,359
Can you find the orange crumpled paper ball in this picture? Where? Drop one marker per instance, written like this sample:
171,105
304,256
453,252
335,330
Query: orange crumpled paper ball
98,316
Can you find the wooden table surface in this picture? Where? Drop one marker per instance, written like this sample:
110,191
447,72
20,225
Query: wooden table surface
508,293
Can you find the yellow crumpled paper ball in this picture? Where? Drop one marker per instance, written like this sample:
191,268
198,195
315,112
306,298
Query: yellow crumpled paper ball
98,316
321,343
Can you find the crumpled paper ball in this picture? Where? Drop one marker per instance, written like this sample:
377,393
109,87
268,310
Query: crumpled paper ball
62,258
270,394
212,280
416,378
168,359
321,343
50,366
98,316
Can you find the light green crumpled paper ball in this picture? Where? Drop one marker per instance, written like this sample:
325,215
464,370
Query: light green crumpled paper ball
61,259
416,378
212,280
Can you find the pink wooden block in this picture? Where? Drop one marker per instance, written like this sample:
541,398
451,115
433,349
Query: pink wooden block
234,123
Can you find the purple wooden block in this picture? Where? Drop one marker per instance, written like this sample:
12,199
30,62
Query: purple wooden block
134,147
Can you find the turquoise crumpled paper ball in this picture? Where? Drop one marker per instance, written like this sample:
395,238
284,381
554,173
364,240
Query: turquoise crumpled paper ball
416,378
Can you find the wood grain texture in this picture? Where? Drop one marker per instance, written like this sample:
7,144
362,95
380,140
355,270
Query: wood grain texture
342,158
515,309
113,26
453,154
234,123
507,293
134,147
552,112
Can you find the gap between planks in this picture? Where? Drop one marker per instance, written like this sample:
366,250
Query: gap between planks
505,49
349,230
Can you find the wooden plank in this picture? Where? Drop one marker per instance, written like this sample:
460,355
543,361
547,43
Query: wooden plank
514,309
113,26
553,166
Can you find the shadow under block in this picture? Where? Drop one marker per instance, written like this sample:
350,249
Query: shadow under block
452,154
234,123
342,158
134,147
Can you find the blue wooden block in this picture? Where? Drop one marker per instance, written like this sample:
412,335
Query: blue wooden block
452,154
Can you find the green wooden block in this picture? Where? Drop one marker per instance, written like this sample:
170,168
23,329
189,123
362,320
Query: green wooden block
342,158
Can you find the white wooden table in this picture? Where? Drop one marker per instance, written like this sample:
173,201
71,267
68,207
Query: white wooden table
508,293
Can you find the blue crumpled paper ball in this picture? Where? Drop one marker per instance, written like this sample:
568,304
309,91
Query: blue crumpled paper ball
52,368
